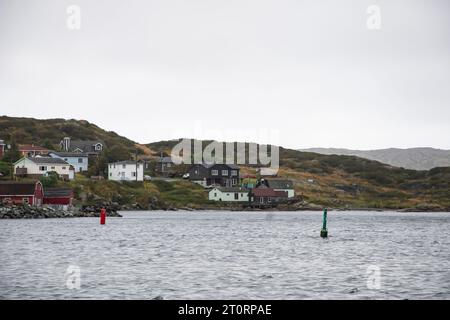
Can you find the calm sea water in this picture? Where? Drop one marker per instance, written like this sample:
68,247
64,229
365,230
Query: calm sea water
228,255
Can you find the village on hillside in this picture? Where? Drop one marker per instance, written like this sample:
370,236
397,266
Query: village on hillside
29,180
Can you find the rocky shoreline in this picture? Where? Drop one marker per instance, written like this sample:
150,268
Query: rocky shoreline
112,209
29,212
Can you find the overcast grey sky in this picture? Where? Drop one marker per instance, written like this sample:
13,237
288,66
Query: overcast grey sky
309,72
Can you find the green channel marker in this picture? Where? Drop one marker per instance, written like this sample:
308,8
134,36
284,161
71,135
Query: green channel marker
324,231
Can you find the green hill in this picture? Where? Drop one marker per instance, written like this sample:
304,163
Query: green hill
51,131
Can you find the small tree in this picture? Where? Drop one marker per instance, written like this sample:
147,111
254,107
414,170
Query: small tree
13,154
50,180
47,144
5,169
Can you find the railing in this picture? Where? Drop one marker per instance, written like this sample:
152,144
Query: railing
21,171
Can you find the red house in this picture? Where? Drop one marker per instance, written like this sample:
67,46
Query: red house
12,192
31,150
61,197
267,196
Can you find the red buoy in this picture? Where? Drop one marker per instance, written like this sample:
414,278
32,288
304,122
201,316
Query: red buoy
103,216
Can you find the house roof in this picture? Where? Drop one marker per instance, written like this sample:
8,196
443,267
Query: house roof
58,192
268,192
69,154
11,188
85,145
231,189
280,183
209,165
31,147
125,162
47,160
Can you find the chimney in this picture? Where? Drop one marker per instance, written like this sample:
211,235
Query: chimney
66,144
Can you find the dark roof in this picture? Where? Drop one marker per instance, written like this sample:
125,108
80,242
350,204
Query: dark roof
47,160
232,189
268,192
209,165
125,162
280,183
58,192
69,154
11,188
85,145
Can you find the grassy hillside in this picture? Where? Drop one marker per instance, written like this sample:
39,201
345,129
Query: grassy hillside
51,131
155,194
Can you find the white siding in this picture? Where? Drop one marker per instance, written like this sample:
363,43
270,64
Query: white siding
75,162
42,168
217,195
291,192
125,172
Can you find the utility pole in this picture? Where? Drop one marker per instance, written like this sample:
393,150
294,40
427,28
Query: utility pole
136,159
11,167
161,163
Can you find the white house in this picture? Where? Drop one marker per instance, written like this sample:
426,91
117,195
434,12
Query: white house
234,194
77,160
36,167
125,171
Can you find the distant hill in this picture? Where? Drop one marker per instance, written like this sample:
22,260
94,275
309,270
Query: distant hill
413,158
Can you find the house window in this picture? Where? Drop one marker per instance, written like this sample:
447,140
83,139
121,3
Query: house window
233,181
25,201
64,168
269,199
110,174
81,169
215,194
123,166
234,172
98,147
214,172
80,160
53,168
261,200
42,168
6,200
236,196
65,159
224,172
